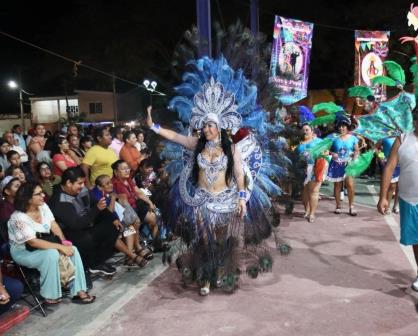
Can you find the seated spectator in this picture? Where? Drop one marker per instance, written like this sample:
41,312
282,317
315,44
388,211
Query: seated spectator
61,158
86,142
140,136
14,159
46,179
37,145
129,152
75,150
128,219
10,291
125,185
72,129
4,148
18,135
9,187
31,134
89,225
13,143
145,177
31,219
16,172
117,142
99,158
156,188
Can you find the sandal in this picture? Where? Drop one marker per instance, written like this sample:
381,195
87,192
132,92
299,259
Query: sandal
51,302
134,262
145,253
352,212
311,219
83,300
337,211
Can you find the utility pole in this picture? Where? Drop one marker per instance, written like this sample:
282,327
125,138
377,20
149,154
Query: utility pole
22,112
254,29
204,27
115,105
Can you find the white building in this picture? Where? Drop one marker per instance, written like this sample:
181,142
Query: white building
92,105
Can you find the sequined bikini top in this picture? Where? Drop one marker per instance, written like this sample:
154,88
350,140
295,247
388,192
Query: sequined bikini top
212,169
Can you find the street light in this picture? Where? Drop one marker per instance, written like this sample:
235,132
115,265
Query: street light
150,86
13,85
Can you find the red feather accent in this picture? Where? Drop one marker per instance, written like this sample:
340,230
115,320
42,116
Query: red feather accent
240,134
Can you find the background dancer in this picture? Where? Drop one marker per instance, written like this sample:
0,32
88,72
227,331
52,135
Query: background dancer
311,184
344,149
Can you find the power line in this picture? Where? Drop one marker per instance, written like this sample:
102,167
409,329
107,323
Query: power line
261,10
78,63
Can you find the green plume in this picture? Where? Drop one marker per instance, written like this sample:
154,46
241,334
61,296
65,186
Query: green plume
360,91
359,165
395,71
326,119
384,80
317,150
329,107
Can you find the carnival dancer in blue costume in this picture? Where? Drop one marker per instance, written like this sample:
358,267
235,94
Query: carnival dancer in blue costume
223,166
387,144
311,184
343,150
220,198
213,214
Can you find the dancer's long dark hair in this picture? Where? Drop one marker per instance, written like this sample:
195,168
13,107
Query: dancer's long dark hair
226,147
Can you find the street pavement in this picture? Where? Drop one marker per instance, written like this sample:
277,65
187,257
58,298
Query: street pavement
345,276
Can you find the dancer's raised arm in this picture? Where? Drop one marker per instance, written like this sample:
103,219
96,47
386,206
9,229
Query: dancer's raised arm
189,142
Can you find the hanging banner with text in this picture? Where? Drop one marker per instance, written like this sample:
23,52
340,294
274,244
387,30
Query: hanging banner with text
289,66
371,50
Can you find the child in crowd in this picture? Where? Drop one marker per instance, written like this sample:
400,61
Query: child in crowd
46,179
16,172
14,159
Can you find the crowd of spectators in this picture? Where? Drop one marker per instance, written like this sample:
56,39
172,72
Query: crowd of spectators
71,199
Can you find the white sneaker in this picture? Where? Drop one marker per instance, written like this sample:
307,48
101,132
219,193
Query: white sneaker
414,285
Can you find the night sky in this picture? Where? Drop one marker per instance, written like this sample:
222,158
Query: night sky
135,39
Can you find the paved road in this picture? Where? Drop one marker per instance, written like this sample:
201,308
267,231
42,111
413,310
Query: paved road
345,276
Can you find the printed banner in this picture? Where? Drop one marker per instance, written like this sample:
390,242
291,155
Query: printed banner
289,66
371,48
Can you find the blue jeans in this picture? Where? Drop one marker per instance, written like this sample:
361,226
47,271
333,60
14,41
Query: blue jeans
15,288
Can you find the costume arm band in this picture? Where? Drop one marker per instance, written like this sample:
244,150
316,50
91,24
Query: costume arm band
155,128
242,194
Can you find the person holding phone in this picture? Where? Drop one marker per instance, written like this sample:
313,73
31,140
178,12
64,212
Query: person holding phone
128,240
88,224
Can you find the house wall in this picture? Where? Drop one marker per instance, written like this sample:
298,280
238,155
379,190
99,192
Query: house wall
7,124
106,98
